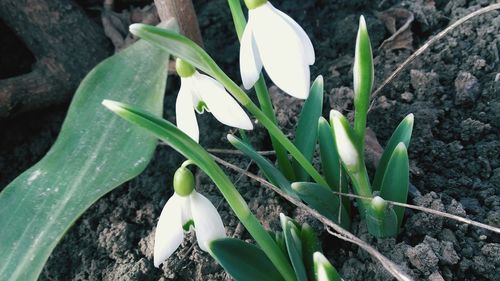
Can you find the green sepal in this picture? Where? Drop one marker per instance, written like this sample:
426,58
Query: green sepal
306,134
270,171
323,269
334,173
243,261
401,134
396,180
324,201
310,245
291,233
381,219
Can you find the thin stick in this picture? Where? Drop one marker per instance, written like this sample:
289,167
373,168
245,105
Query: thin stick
428,210
237,152
428,44
341,233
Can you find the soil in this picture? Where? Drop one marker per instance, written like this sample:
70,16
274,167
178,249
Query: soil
453,90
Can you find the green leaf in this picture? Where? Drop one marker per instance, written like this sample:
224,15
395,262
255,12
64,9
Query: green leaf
294,246
363,79
396,180
323,269
333,171
306,133
324,201
270,171
244,261
401,134
177,45
310,245
381,219
95,152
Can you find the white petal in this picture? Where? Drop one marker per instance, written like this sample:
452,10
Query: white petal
281,51
186,215
169,233
222,105
207,221
306,42
250,63
184,109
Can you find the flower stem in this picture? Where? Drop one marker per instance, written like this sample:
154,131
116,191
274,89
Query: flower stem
181,142
262,94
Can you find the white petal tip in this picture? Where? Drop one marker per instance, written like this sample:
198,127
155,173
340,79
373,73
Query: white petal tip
134,28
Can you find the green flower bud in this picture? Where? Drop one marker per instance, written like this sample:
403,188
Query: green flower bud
252,4
183,181
183,68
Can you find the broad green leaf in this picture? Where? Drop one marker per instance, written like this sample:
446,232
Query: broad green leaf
396,180
401,134
178,140
324,201
323,269
294,246
381,219
306,133
333,171
363,79
270,171
95,152
243,261
310,245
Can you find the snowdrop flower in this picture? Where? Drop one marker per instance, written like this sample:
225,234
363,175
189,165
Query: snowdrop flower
200,92
184,211
274,40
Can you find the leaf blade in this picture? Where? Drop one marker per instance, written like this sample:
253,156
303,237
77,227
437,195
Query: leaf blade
49,193
306,134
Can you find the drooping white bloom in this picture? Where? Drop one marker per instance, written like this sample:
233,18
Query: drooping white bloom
201,92
183,213
274,40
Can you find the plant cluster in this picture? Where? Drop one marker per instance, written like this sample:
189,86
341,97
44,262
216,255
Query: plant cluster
273,41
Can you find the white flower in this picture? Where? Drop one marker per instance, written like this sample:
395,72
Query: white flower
179,215
200,92
274,40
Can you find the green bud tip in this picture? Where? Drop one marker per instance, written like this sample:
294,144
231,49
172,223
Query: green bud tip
362,23
401,147
183,181
378,204
252,4
410,118
183,68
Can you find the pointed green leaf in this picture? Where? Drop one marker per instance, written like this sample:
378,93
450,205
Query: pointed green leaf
243,261
95,152
322,200
323,269
310,245
333,171
306,133
270,171
294,246
177,45
381,219
363,79
396,180
401,134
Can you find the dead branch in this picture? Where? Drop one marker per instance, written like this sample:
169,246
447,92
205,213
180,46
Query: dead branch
66,45
183,11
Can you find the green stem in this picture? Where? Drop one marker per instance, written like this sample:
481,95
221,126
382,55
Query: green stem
262,94
361,185
167,132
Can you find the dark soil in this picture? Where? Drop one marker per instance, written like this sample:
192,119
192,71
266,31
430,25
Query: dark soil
453,90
